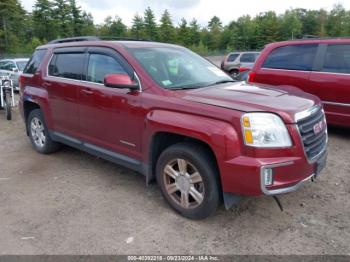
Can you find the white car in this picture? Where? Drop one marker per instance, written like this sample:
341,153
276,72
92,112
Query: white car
13,68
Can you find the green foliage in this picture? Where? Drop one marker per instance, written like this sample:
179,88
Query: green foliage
167,31
137,28
21,32
150,25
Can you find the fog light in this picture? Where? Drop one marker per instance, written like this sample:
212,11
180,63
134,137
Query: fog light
268,176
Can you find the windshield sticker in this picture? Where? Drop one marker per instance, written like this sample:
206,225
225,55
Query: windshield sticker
166,82
216,71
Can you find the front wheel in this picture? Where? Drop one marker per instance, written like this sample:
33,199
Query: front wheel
188,179
7,106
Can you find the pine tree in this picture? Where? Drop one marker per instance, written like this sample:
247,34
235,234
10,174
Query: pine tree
43,23
194,35
117,28
150,24
183,33
166,29
76,18
137,27
63,18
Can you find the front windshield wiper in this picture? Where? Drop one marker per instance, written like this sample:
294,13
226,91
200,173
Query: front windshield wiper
223,82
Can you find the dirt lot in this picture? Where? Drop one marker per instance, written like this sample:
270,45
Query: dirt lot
73,203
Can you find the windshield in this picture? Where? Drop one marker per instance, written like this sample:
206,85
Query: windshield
21,65
178,68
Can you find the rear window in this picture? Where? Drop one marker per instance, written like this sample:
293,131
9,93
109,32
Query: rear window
294,57
232,57
34,61
337,59
67,65
248,58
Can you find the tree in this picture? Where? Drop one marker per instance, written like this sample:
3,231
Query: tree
267,28
183,33
62,18
12,26
137,27
118,28
215,28
290,25
150,24
76,18
88,27
337,24
43,23
167,31
193,32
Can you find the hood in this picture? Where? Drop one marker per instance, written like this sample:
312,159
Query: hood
285,101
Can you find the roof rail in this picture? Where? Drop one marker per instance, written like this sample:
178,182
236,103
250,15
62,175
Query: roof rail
122,38
74,39
94,38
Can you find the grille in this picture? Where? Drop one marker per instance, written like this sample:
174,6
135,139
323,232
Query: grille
314,142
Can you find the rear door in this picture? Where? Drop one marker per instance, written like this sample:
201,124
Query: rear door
288,65
331,82
62,83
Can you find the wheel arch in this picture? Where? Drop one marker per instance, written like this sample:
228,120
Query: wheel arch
165,128
29,106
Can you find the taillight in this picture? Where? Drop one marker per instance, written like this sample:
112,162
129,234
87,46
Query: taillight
21,81
251,77
242,69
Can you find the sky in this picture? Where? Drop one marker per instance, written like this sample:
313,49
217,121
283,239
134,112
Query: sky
202,10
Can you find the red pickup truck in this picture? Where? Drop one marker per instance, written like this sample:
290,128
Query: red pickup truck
169,114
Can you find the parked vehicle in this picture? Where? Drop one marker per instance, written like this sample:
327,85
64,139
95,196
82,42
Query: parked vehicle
13,68
6,96
318,66
171,115
237,62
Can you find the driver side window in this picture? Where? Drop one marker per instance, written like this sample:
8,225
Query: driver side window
100,65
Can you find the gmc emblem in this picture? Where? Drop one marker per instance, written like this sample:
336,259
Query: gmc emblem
318,127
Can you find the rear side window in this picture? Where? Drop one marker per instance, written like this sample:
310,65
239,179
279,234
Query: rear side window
248,58
232,57
34,61
67,65
337,59
294,57
101,65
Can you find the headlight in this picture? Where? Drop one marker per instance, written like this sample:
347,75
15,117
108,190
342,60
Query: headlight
264,130
6,84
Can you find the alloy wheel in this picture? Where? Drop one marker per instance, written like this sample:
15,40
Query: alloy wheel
183,183
38,132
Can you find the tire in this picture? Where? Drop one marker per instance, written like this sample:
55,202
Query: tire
7,106
38,133
195,178
234,73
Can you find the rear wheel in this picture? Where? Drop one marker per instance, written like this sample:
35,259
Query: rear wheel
7,106
234,73
188,179
38,133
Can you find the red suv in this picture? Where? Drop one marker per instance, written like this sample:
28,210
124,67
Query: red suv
171,115
319,67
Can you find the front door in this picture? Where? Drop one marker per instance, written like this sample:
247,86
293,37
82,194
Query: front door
109,117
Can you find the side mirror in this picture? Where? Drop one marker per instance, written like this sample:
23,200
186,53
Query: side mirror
120,81
15,70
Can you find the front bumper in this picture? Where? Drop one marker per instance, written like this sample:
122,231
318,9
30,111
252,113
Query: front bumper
244,175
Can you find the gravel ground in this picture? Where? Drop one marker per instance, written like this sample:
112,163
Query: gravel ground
74,203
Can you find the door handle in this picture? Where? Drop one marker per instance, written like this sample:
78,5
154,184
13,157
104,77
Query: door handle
46,84
86,92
